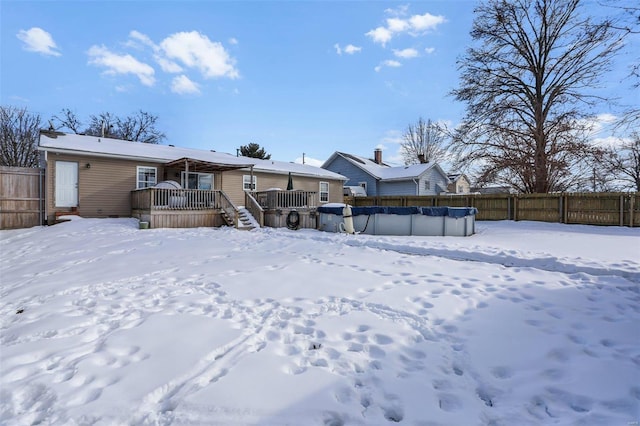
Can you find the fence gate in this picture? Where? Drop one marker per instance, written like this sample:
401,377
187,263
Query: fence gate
21,197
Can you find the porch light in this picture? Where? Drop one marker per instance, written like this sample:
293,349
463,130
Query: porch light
88,165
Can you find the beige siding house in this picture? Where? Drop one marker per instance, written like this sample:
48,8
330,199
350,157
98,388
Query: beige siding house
99,177
459,184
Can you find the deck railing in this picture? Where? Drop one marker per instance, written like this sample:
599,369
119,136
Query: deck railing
175,199
278,199
254,207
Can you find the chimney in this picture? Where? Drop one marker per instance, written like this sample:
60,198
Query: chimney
377,156
421,158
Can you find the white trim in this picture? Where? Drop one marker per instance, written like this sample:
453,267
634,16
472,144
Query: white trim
184,182
246,180
320,192
155,176
66,192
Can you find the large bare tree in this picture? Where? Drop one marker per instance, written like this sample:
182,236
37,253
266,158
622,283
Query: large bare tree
527,83
422,142
138,127
19,133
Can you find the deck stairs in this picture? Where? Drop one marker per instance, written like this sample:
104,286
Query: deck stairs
246,221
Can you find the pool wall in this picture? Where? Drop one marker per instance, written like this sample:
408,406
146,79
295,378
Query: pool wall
422,221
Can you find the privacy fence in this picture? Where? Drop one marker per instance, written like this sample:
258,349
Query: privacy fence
617,209
21,197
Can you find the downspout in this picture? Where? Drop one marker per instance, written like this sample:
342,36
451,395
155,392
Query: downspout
251,181
417,186
44,199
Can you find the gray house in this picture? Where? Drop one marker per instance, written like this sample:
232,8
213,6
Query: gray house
380,179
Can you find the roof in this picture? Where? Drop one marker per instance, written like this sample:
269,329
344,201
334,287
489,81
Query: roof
384,171
455,176
172,155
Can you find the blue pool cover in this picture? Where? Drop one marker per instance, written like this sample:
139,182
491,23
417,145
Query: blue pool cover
427,211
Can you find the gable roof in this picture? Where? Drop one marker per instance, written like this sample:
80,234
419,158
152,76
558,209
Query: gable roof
455,176
384,172
171,155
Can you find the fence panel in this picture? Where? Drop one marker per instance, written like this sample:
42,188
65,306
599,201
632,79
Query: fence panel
619,209
492,207
21,197
596,209
539,207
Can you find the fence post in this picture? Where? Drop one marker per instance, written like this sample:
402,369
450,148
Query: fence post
621,210
560,209
632,199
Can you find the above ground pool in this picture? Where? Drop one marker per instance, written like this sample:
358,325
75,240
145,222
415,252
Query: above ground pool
378,220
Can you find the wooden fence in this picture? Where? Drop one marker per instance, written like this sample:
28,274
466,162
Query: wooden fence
21,197
617,209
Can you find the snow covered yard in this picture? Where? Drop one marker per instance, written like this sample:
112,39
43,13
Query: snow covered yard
523,323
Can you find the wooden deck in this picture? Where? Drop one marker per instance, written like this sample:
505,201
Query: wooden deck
191,208
182,208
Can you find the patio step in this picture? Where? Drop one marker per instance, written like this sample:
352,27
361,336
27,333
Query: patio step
246,221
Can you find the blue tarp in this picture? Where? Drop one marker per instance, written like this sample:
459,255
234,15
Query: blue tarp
427,211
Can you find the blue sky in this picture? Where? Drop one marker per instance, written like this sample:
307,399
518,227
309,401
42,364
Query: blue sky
295,77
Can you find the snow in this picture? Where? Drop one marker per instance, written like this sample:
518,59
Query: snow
522,323
92,145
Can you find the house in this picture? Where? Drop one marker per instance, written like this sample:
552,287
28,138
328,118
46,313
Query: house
101,177
459,184
380,179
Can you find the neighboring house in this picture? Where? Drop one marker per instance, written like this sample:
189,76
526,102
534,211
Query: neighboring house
95,177
459,184
380,179
492,190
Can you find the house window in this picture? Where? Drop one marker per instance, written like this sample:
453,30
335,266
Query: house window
246,183
427,185
363,185
460,189
146,177
197,181
324,192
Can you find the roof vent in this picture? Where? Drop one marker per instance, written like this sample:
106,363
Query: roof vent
171,145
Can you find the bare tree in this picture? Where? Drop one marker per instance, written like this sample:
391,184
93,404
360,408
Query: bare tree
526,85
19,134
139,127
254,150
67,120
422,142
623,163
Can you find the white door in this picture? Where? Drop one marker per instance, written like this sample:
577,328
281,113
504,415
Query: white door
66,184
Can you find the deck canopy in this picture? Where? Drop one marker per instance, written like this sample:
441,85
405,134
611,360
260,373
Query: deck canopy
201,166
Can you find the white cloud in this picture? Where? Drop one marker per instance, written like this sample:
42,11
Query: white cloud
195,50
388,63
167,65
183,86
38,40
233,41
426,22
414,25
429,50
406,53
121,64
399,11
349,49
397,25
380,35
136,37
